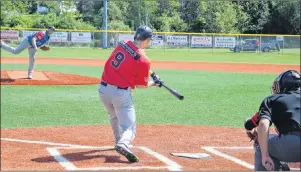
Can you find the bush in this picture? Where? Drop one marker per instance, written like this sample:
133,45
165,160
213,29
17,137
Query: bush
68,21
63,21
17,20
118,25
43,21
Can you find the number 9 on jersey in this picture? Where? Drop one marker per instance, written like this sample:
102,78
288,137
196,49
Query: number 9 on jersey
118,59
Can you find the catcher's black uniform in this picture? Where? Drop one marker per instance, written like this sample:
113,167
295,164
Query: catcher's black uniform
283,110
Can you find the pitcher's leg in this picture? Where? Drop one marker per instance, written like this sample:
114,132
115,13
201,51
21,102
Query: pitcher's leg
23,44
32,56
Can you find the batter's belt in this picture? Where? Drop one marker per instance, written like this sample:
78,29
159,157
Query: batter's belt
105,84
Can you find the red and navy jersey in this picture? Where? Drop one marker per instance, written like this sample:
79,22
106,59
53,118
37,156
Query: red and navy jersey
41,38
127,66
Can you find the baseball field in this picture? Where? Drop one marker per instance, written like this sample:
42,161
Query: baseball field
48,126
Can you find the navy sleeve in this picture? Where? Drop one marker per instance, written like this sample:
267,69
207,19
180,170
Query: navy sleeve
265,110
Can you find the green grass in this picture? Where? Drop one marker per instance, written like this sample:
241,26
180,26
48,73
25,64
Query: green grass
211,98
290,56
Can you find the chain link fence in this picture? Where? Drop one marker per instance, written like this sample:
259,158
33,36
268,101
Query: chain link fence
207,42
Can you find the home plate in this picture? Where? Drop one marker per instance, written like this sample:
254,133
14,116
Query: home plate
192,155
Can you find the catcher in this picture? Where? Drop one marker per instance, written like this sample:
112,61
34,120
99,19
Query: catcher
282,108
32,42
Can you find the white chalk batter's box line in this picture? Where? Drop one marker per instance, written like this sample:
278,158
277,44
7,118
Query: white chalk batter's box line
213,150
67,165
64,162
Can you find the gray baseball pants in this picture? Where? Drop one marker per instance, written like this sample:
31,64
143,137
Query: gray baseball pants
285,149
23,45
119,104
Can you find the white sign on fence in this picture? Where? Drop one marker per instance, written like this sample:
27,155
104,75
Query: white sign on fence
279,38
59,37
123,37
81,37
224,42
9,35
158,40
27,33
177,40
201,41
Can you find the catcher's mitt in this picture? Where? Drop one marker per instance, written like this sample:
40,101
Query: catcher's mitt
45,48
253,135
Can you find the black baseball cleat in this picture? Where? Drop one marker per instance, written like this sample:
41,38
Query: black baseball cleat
123,150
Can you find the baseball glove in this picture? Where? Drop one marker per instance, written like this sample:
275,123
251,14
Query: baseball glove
45,48
253,135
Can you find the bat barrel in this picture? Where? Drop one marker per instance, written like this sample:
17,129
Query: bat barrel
174,92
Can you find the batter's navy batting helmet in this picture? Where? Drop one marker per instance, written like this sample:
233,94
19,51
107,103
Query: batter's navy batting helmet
287,81
143,33
51,27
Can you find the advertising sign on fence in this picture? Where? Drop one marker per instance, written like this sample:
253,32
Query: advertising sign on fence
59,37
158,40
177,40
129,37
201,41
27,33
9,35
81,37
224,42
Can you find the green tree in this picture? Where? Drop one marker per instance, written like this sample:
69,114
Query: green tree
284,18
241,17
67,20
191,13
116,16
229,17
87,9
258,15
161,15
43,21
168,16
118,25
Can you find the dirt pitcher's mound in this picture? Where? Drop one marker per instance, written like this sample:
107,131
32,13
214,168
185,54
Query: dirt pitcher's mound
13,77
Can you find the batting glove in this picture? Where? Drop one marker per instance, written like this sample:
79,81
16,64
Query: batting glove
158,81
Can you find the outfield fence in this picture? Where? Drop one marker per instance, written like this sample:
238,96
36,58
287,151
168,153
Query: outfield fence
214,42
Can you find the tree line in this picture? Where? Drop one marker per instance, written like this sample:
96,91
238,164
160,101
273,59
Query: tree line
256,16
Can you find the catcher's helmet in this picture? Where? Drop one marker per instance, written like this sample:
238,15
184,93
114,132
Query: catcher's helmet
143,33
287,81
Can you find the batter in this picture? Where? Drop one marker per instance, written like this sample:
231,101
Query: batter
127,68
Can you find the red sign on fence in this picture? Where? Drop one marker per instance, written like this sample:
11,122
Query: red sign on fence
9,35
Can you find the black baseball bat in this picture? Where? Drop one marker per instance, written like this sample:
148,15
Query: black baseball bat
174,92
